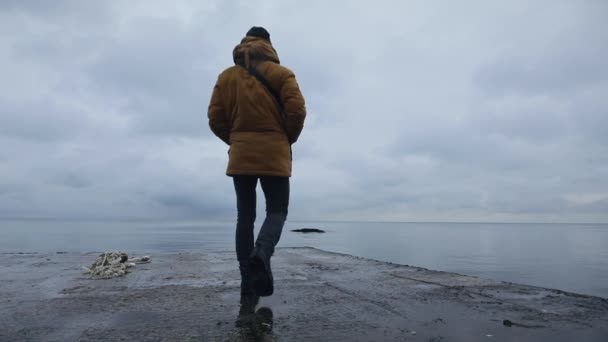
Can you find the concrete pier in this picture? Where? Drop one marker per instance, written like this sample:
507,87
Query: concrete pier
319,296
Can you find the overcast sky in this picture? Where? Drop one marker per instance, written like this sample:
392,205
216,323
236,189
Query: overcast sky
417,110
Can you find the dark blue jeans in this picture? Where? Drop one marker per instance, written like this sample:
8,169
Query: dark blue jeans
276,192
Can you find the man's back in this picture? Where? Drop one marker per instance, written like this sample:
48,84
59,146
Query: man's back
250,106
245,114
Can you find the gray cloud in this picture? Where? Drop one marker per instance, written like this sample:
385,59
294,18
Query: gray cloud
469,111
39,121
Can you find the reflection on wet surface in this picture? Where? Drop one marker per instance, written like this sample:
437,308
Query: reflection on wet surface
254,325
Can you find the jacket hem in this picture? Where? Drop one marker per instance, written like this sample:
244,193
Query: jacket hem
257,173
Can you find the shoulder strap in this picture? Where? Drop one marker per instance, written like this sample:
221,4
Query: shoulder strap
267,85
274,94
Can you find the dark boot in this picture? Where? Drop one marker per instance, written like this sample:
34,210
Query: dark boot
261,275
246,285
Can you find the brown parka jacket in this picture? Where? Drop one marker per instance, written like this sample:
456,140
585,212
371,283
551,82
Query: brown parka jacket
245,115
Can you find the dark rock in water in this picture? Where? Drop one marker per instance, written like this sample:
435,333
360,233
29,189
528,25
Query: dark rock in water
509,323
308,230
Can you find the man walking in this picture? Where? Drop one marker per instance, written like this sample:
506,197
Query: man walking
258,110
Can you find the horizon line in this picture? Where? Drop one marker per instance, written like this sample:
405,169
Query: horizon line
50,218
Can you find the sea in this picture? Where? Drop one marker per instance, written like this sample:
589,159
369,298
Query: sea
570,257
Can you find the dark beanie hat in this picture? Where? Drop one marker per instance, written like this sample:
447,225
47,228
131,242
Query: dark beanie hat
258,31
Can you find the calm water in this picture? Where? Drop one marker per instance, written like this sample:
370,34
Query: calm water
572,257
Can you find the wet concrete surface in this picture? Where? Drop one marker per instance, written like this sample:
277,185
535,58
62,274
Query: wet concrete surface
319,296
